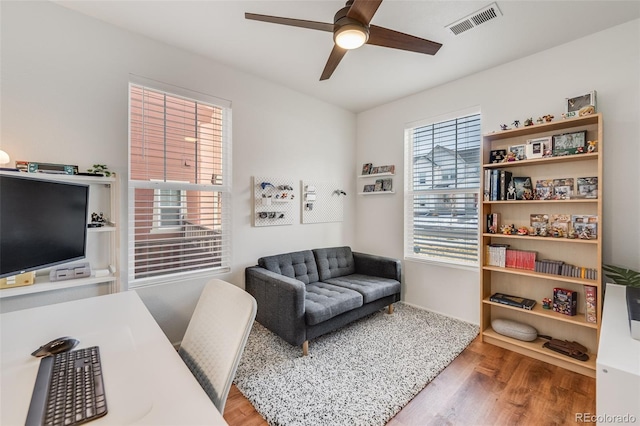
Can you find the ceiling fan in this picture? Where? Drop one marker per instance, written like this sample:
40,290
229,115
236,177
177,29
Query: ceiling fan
351,29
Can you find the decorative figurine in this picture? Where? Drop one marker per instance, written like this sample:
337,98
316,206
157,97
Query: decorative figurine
592,146
504,127
586,110
516,123
528,122
539,120
511,156
522,231
511,191
548,118
546,303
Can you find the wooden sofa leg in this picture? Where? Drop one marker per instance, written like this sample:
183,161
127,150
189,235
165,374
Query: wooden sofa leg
390,309
305,348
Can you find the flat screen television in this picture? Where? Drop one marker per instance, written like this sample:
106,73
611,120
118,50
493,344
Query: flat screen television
42,223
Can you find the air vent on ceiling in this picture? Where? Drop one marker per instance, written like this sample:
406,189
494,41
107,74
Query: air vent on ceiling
483,15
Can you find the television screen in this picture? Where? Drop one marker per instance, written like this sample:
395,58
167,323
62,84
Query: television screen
42,223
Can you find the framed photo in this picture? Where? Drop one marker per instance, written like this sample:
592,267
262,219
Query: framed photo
387,184
374,170
569,143
368,188
535,148
574,105
497,155
366,168
519,150
378,185
524,188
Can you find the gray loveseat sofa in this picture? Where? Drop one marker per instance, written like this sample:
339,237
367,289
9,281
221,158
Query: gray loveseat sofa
302,295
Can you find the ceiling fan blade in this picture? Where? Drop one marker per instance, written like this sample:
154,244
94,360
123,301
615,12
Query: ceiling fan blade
385,37
313,25
332,63
363,10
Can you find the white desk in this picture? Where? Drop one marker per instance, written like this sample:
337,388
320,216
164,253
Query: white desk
145,380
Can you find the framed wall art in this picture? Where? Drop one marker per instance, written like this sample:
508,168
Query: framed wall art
569,143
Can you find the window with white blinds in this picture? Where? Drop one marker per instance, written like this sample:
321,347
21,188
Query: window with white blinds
442,165
179,185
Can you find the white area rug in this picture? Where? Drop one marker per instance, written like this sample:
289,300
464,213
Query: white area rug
362,374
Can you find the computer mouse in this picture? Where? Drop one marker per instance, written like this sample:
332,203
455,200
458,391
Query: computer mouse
61,344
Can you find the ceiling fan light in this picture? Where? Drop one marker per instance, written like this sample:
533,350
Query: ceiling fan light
351,36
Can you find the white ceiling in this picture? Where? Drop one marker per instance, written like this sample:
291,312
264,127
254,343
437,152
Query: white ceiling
371,75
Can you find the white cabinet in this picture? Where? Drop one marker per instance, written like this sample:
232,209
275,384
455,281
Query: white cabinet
618,364
101,251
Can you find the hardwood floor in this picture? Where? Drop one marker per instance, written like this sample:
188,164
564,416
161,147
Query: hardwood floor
484,385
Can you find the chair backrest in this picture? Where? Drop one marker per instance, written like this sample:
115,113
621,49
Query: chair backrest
216,336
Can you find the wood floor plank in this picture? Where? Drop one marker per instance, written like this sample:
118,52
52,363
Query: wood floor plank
484,385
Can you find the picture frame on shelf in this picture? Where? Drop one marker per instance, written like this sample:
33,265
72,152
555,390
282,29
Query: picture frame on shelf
497,155
366,168
519,151
569,143
374,170
369,188
524,188
582,102
378,185
387,184
535,148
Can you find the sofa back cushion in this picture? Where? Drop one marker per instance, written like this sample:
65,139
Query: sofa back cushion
300,265
334,262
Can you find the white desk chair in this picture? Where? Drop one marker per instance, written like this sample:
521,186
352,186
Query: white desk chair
216,336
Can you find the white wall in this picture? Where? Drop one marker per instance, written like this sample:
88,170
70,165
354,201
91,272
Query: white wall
64,100
608,62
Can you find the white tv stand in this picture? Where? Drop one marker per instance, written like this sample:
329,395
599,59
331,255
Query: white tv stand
618,363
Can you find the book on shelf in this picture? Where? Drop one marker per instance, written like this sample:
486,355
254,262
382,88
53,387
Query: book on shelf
565,301
505,179
493,223
591,304
495,185
515,301
487,185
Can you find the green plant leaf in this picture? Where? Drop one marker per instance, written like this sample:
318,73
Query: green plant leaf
622,276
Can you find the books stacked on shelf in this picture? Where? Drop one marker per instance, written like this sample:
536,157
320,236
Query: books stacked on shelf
590,304
515,301
565,301
496,254
520,259
558,267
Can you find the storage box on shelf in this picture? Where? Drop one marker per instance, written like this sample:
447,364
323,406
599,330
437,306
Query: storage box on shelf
102,242
585,255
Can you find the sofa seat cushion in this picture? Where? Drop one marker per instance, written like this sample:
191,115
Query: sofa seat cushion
334,262
324,301
300,265
372,288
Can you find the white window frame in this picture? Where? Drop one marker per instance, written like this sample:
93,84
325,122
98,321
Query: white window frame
410,193
224,188
158,227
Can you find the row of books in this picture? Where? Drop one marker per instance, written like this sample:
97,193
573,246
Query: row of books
504,257
558,267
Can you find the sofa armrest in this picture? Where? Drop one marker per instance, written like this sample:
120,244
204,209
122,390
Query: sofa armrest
377,266
280,303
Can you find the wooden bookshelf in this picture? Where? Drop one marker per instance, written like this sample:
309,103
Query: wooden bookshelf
580,252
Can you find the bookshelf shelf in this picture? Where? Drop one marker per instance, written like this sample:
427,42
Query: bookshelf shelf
583,253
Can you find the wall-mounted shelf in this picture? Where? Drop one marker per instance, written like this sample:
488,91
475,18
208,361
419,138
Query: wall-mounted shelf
376,193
